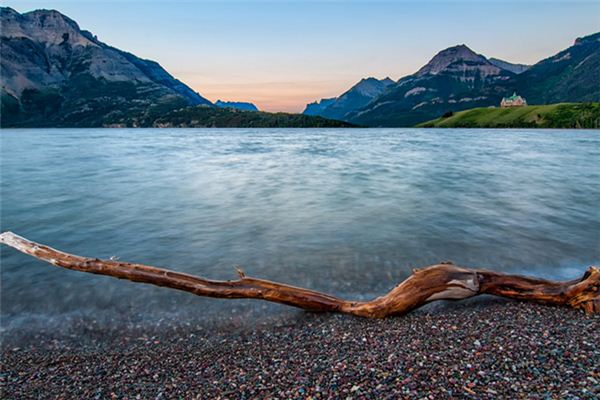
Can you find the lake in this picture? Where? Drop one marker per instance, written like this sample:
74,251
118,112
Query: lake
347,211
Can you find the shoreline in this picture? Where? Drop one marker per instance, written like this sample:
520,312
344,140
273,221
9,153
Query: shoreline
486,349
326,128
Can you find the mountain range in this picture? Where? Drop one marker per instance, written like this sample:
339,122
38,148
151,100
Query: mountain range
458,78
55,74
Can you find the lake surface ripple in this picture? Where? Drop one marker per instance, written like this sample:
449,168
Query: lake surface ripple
344,211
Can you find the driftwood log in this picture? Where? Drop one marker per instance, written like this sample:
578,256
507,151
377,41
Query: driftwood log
444,281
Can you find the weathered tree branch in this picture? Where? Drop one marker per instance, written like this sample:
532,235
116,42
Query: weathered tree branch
437,282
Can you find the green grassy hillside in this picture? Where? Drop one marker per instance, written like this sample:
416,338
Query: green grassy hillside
562,115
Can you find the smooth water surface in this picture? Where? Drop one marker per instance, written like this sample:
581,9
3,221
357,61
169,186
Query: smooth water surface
345,211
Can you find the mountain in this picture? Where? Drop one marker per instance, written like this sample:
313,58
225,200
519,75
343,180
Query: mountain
458,79
238,105
355,98
460,59
514,68
455,78
55,74
572,75
318,107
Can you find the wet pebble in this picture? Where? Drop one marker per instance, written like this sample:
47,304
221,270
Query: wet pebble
486,351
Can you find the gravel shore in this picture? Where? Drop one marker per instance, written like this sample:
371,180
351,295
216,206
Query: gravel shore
488,350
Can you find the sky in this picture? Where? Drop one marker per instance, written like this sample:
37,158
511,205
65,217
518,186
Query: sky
283,54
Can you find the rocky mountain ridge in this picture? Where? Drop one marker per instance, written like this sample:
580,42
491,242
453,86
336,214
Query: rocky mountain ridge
458,78
52,69
356,97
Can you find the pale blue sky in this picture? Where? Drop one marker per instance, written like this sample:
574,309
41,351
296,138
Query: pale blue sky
283,54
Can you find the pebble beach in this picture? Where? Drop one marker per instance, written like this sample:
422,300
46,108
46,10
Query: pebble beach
473,350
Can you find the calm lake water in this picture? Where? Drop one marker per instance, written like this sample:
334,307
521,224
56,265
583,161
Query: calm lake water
344,211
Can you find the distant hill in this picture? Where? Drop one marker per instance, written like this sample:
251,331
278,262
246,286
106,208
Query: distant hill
562,115
458,78
514,68
318,107
55,74
202,116
238,105
356,97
